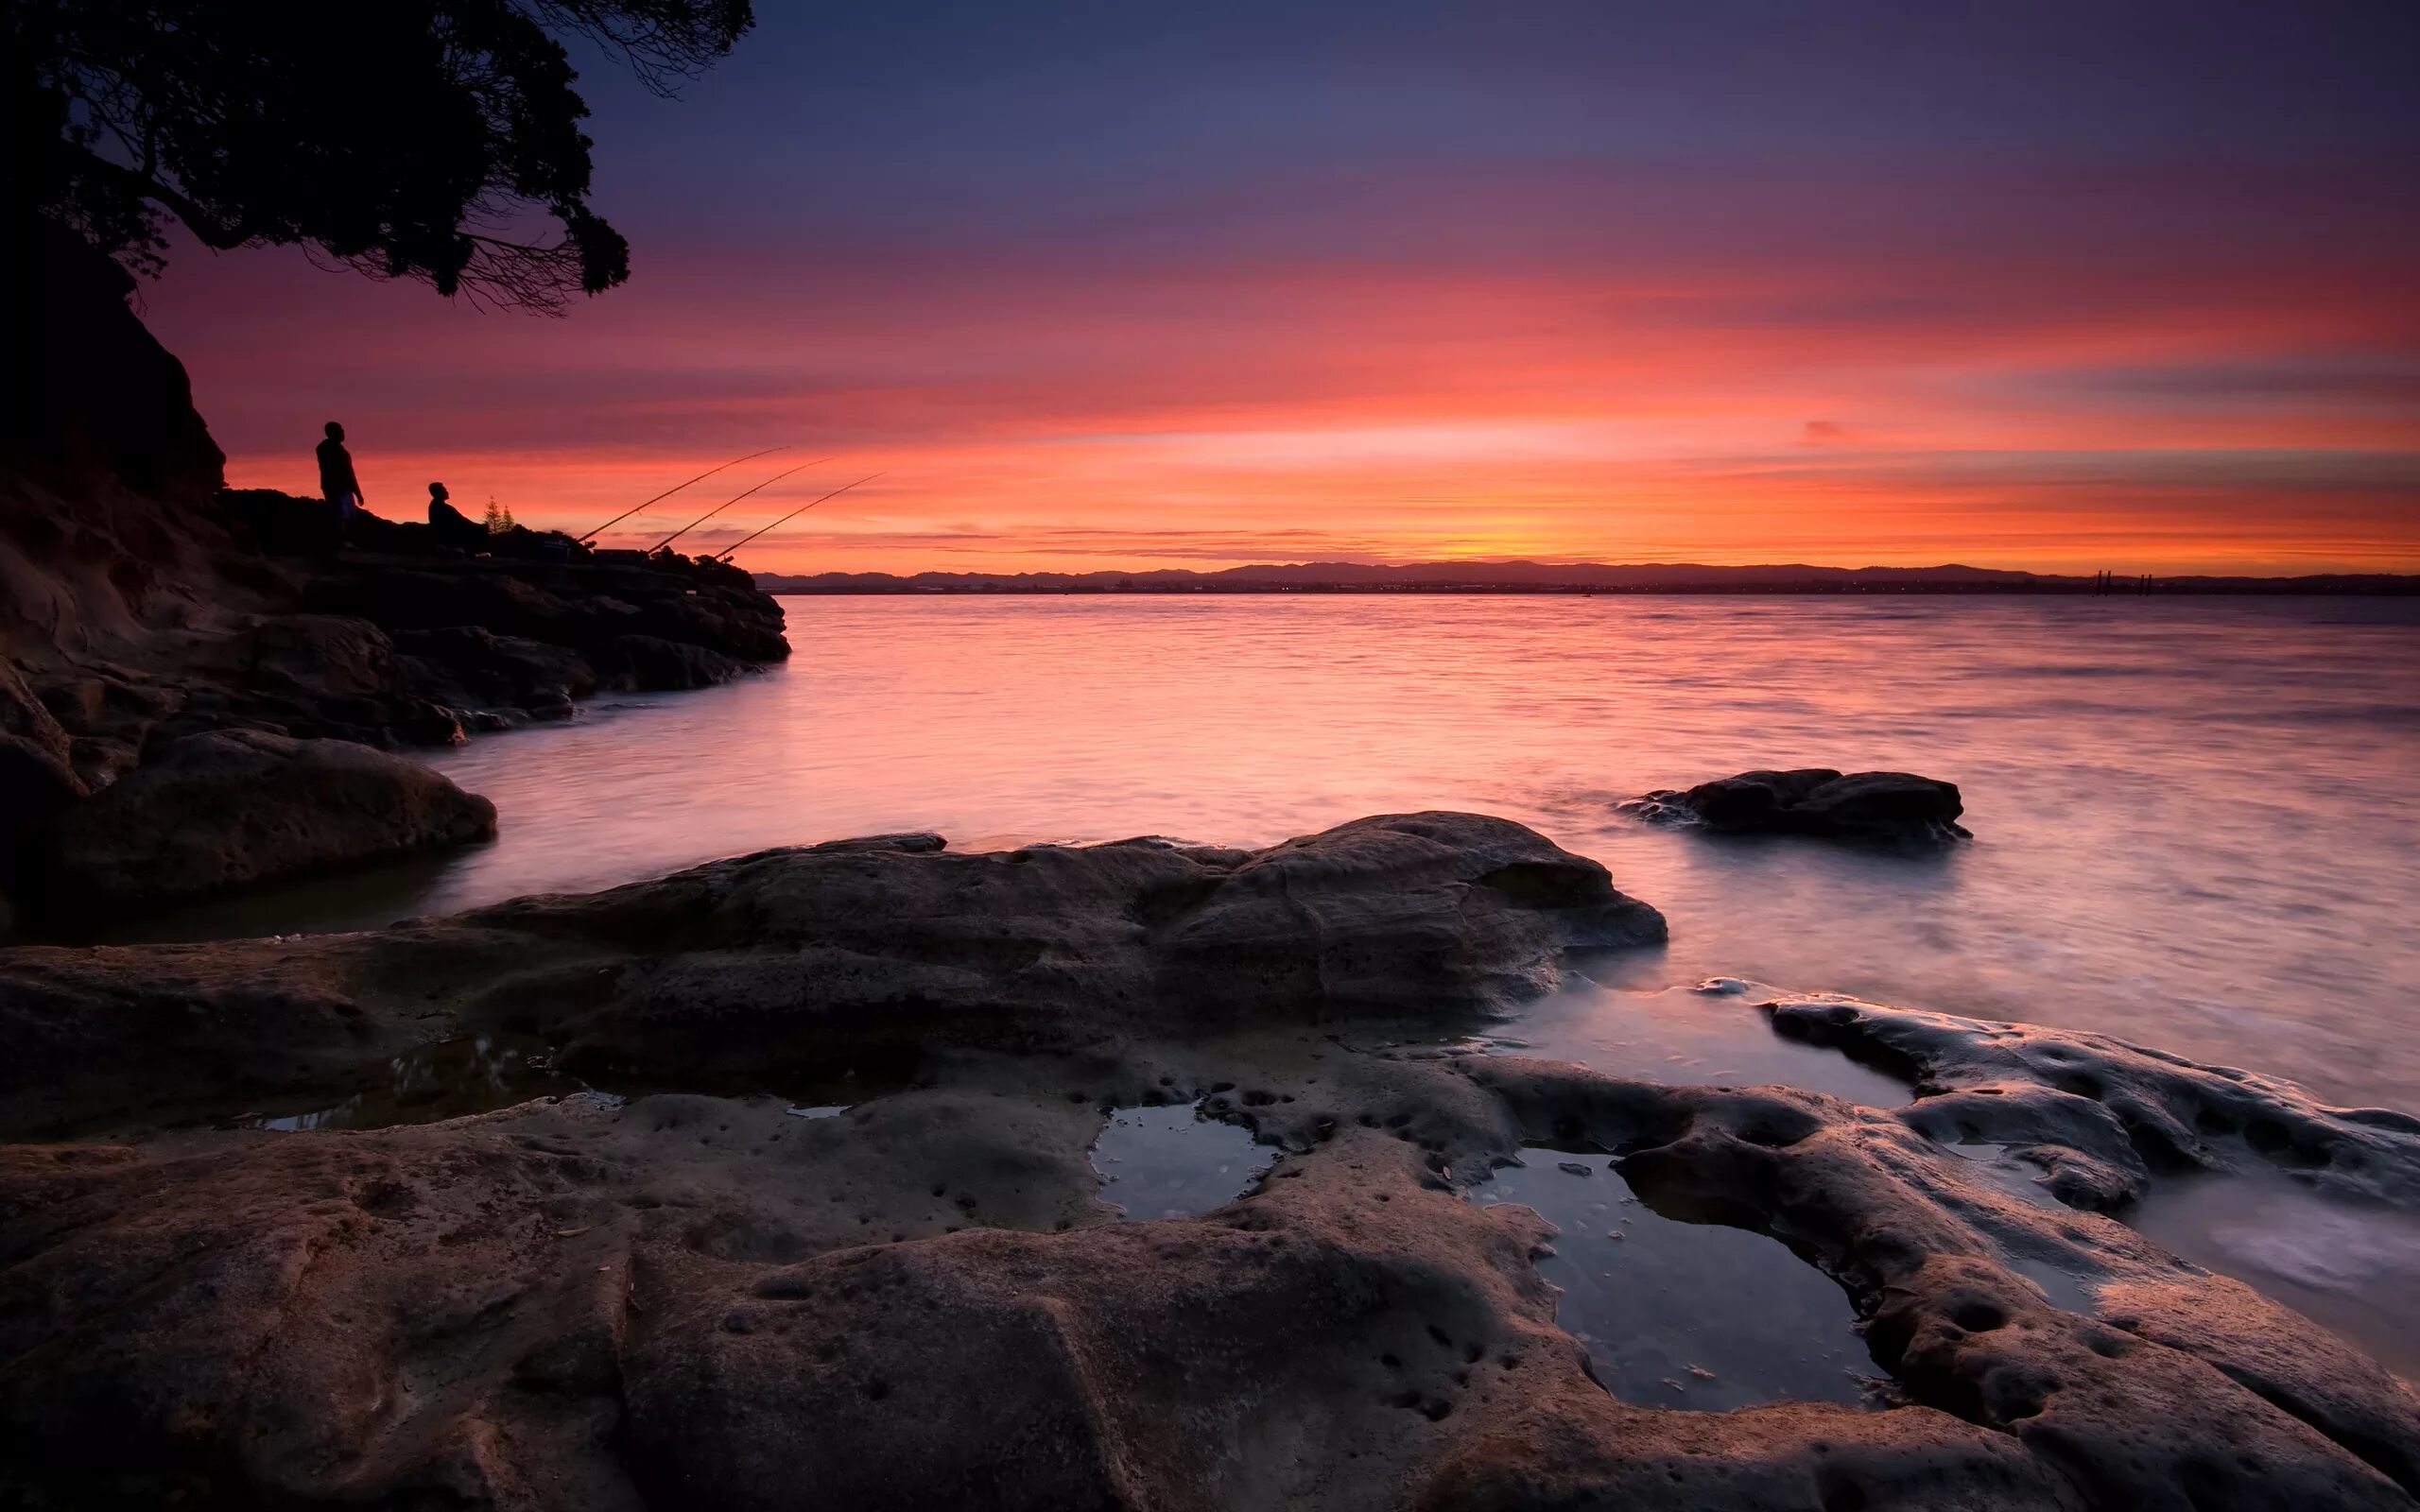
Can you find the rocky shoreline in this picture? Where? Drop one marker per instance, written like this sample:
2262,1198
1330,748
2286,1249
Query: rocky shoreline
147,615
681,1290
144,769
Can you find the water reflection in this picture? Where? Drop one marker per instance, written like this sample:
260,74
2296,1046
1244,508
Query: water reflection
1709,1034
1173,1162
1683,1315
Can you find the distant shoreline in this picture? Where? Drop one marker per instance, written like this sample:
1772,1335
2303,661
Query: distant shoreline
1592,579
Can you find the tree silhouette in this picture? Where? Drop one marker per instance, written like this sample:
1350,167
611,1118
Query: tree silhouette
430,139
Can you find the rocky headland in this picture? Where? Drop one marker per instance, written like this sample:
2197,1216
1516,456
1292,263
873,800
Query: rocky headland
788,1202
143,606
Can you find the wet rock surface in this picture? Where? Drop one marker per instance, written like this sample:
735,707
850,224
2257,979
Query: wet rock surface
920,1298
1888,807
2103,1117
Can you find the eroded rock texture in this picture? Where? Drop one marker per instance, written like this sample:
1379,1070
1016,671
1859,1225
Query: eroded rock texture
698,1298
1898,807
2249,1405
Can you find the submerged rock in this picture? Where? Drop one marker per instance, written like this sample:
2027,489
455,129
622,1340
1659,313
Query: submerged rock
236,808
2101,1117
1817,800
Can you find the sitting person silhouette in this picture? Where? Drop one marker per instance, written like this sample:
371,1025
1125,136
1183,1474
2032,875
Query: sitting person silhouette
451,525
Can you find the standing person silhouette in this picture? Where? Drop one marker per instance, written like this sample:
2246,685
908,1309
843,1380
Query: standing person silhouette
338,484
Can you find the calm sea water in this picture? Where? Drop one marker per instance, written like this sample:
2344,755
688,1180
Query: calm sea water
2197,822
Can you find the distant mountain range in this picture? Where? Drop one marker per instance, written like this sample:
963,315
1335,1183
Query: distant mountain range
1567,578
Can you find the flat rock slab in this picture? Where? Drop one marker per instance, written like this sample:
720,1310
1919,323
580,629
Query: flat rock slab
780,961
1814,800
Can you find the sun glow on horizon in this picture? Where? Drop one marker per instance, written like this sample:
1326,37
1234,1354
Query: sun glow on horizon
2102,368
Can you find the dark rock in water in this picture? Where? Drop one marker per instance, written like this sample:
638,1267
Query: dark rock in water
235,808
753,959
1816,800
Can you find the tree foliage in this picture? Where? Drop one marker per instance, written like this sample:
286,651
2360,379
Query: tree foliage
431,139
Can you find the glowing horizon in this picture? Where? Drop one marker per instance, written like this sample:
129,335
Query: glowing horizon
1463,299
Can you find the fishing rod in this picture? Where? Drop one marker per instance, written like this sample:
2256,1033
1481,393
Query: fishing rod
725,555
677,487
728,503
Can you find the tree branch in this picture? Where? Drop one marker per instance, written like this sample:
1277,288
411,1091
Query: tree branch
206,227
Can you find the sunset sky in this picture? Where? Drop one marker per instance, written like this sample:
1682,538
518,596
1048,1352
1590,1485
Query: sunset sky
2049,285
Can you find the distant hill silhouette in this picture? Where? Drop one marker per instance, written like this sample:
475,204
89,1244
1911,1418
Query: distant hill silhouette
1568,578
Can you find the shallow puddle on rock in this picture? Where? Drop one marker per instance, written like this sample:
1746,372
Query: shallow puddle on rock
1681,1314
475,1074
2352,1268
1994,1165
1701,1036
1173,1162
